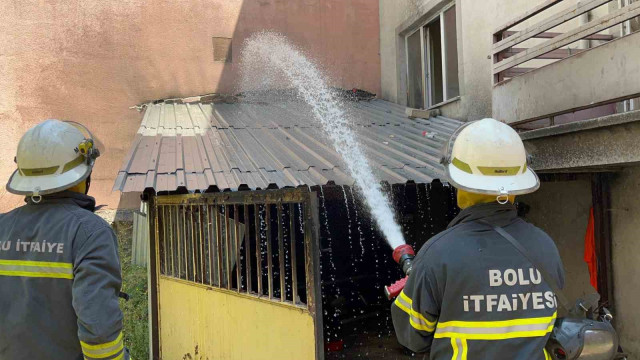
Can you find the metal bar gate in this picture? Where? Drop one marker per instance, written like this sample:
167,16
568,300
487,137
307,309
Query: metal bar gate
260,246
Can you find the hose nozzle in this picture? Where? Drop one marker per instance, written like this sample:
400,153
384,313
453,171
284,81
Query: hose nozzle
403,255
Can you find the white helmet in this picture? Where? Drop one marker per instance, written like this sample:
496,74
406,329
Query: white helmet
488,157
52,156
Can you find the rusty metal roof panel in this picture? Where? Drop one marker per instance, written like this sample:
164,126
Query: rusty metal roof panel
201,145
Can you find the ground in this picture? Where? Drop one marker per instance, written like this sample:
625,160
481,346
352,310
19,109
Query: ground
134,283
373,341
373,346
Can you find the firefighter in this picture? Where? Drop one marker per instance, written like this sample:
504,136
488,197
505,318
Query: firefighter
59,266
470,293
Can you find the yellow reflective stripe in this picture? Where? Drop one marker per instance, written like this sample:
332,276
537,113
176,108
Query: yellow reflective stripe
461,165
454,345
119,357
501,323
39,171
459,349
499,171
43,269
105,350
415,313
410,312
36,274
37,263
546,355
498,336
496,330
464,348
73,164
415,319
106,354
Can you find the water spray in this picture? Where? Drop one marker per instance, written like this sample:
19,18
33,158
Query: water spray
269,61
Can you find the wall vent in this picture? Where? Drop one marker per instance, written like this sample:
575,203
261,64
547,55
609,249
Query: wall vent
222,49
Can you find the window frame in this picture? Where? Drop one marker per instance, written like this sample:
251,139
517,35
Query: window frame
427,98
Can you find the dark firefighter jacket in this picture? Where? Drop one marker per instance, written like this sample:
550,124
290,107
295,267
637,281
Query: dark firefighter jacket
59,282
472,295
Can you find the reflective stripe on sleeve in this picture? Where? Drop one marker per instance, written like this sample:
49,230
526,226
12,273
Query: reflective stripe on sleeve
496,330
119,357
417,320
546,355
42,269
103,351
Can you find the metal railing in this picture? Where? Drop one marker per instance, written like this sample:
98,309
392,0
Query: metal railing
507,57
260,243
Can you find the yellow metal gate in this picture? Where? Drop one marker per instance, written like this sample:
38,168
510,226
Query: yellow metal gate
236,276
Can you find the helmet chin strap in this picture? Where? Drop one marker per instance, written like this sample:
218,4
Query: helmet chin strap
503,198
88,184
36,198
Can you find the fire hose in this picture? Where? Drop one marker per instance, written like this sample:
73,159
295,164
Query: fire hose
403,255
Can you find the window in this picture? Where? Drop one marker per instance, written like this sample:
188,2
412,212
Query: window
432,61
414,76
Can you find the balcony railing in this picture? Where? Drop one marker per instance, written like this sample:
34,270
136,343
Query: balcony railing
541,44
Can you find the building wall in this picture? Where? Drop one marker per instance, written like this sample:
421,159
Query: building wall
89,61
589,145
392,13
625,222
474,43
474,33
583,87
561,209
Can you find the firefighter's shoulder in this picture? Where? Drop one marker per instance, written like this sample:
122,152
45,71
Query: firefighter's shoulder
538,233
88,222
442,241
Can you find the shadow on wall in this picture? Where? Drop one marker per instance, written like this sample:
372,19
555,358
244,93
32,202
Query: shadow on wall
331,31
342,36
89,61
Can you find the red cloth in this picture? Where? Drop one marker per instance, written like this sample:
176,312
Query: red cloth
590,251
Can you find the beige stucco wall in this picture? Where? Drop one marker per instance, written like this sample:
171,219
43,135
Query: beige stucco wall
392,13
625,222
561,209
567,226
476,21
89,61
474,45
539,93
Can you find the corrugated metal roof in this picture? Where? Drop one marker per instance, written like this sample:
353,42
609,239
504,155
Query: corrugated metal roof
198,145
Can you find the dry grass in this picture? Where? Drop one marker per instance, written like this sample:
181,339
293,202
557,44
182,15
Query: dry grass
134,283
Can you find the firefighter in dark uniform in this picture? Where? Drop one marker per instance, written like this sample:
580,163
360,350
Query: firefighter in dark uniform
59,266
470,293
